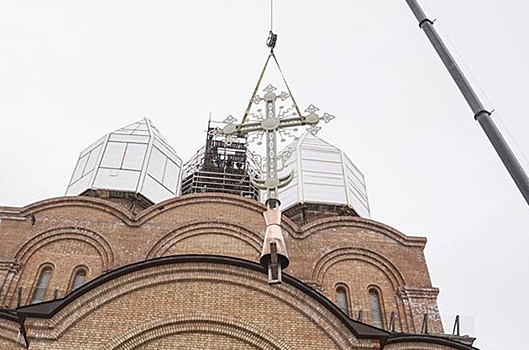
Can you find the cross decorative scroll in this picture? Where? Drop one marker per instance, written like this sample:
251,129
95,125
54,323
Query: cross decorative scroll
276,121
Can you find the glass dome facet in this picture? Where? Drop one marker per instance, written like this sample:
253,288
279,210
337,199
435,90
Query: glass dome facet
323,174
135,158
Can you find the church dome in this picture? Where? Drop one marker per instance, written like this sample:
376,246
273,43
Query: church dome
135,158
325,179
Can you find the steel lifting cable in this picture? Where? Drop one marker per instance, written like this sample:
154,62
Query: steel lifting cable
271,43
255,90
288,88
259,83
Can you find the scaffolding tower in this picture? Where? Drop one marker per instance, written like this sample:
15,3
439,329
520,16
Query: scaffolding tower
221,166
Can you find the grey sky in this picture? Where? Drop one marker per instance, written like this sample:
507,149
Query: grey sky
71,71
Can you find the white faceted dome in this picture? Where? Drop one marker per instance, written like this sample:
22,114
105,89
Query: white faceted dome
323,174
135,158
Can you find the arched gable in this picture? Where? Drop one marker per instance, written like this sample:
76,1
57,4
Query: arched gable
195,285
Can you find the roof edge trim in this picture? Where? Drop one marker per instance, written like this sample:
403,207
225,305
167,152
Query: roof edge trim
427,338
50,308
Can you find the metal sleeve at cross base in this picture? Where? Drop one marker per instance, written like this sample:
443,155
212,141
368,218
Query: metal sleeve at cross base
480,114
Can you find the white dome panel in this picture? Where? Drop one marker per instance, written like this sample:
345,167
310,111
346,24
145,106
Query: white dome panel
135,158
323,174
114,179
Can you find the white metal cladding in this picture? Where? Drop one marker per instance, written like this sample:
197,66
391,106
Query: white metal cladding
323,174
135,158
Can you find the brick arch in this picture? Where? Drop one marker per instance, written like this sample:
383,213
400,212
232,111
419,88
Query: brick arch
348,253
197,323
186,231
67,233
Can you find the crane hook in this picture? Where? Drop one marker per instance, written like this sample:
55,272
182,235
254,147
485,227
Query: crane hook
271,41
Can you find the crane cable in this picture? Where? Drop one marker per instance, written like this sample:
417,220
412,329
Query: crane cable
271,43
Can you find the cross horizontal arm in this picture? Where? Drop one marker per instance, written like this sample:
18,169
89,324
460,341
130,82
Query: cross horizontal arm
283,123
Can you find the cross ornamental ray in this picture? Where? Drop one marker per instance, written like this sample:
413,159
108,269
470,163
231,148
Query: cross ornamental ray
275,121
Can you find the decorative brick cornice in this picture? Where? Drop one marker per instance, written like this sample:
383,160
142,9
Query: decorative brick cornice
181,202
145,215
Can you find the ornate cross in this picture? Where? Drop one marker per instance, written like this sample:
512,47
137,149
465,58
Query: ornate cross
276,121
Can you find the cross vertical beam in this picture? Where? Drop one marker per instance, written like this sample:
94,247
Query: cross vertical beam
271,157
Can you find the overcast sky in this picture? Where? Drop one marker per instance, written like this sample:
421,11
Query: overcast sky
71,71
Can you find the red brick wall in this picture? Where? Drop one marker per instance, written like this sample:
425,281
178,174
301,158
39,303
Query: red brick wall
211,306
359,253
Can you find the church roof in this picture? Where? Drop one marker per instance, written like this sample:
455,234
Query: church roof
9,314
50,308
135,158
360,330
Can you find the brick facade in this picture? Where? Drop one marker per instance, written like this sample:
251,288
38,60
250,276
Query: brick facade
199,305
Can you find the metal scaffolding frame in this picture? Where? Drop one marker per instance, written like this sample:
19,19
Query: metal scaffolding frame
221,166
